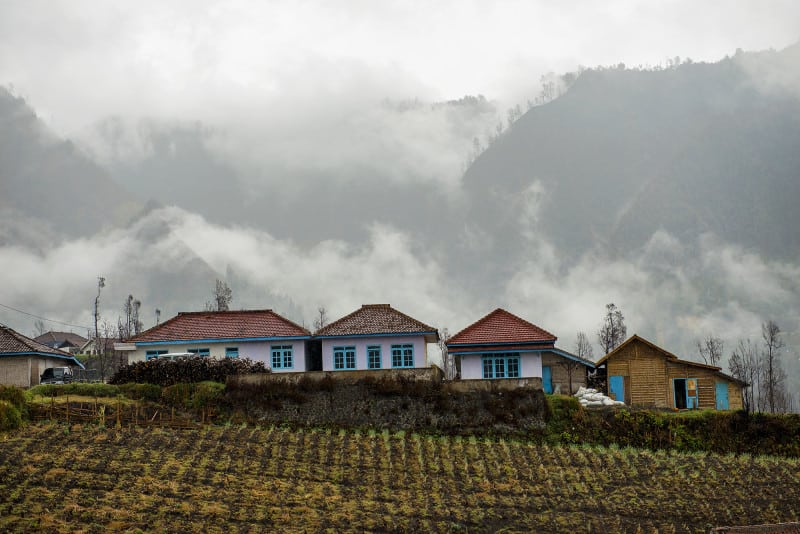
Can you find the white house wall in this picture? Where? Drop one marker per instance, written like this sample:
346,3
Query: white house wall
258,351
530,366
385,343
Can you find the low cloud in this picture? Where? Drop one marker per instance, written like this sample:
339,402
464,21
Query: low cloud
670,292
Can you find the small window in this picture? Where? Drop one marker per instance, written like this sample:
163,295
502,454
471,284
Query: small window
231,352
374,357
200,352
282,357
344,358
153,354
403,355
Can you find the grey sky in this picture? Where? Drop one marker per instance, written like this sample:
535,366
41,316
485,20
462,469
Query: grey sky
78,62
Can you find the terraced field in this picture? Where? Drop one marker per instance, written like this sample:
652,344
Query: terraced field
55,479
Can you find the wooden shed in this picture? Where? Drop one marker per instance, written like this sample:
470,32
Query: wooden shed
641,373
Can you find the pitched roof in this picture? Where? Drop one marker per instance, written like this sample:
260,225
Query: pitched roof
12,343
501,326
375,319
631,339
61,339
222,325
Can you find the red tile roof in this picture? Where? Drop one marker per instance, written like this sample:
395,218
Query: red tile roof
375,319
12,341
501,326
222,325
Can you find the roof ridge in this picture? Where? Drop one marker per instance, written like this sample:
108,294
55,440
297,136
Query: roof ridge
498,311
32,344
337,322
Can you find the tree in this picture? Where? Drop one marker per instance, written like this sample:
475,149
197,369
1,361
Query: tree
130,325
583,348
613,330
773,375
221,298
39,328
322,318
710,349
448,360
101,283
744,366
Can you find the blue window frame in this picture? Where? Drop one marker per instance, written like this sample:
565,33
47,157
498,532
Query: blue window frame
200,352
374,357
231,352
504,365
282,357
153,354
344,358
403,355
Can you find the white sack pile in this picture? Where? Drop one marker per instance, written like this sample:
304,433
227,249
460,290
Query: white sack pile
592,397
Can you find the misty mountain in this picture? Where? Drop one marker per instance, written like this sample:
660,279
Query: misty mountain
48,188
693,149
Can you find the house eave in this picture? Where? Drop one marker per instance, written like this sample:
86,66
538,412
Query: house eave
44,355
217,340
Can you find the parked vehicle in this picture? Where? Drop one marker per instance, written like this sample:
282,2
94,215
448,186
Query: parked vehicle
56,375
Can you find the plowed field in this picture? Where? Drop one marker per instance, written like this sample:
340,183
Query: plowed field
55,479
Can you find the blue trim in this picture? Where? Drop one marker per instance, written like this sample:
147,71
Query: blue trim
371,349
559,352
278,354
398,334
401,348
219,340
344,351
231,352
44,354
507,361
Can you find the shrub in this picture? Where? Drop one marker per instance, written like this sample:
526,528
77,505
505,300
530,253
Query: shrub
13,395
169,372
193,395
76,388
149,392
10,416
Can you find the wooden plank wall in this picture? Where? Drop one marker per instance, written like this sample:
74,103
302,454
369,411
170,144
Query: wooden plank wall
706,380
645,368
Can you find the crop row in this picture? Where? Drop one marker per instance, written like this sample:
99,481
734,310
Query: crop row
59,478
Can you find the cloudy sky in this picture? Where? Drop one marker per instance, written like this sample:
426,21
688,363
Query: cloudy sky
316,84
79,62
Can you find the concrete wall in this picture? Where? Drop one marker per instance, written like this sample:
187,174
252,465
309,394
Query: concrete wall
385,343
24,371
497,384
259,351
431,374
560,373
530,366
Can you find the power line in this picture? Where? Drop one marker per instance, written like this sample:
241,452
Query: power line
45,318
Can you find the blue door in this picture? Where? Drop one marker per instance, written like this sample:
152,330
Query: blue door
616,387
722,395
547,379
